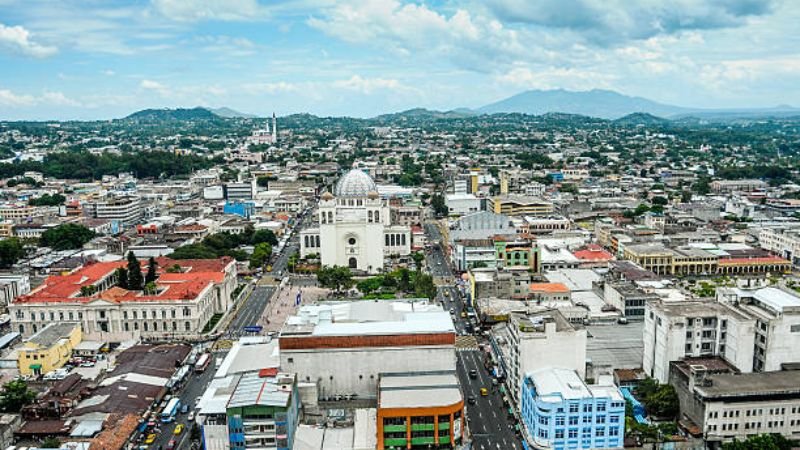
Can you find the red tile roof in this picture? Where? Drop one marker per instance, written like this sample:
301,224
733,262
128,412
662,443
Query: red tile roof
550,288
753,261
197,275
593,252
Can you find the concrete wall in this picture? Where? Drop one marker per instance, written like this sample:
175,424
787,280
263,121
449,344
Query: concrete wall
782,343
355,370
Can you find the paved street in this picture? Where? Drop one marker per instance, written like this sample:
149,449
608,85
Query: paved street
249,313
193,388
488,417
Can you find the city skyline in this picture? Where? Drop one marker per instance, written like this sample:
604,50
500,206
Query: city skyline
363,58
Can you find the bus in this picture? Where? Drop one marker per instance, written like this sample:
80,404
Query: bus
202,363
168,413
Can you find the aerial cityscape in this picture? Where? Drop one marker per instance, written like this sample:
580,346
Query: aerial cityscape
399,224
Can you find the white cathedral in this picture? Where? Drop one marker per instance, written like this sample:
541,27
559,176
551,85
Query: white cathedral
355,228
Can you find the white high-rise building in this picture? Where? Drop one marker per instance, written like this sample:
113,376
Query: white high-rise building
354,227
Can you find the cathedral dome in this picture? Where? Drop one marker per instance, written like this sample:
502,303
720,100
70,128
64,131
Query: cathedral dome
355,183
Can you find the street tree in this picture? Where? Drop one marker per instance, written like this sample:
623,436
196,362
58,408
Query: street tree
135,279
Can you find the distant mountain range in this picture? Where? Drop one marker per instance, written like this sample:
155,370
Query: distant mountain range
231,113
180,114
597,103
607,104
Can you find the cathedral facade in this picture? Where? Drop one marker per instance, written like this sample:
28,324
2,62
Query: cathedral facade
354,227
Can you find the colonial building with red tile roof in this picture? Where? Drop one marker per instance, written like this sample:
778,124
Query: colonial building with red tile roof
188,293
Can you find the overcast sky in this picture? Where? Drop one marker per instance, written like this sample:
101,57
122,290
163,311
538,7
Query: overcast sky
91,59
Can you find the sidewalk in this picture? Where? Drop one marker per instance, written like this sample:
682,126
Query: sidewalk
283,305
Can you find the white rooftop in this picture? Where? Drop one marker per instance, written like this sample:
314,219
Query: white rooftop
248,355
566,384
373,318
419,390
776,299
561,383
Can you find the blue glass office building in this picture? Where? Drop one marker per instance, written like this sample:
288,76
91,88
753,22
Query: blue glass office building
562,412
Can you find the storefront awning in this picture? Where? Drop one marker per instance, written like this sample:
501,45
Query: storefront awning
35,366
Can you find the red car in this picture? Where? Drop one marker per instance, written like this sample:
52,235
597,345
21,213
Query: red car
171,444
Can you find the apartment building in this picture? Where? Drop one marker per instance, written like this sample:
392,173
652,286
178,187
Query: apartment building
776,312
678,330
725,405
542,340
784,242
560,411
263,411
519,205
128,210
722,186
756,330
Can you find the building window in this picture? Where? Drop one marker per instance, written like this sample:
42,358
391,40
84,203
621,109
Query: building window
572,434
187,326
351,241
125,315
573,407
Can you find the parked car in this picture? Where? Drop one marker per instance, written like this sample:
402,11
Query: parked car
150,438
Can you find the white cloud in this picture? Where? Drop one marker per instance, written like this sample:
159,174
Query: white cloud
611,21
196,10
58,99
368,85
271,88
8,98
412,29
18,39
555,78
227,45
48,98
155,86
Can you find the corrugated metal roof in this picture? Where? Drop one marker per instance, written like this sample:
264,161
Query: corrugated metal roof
255,391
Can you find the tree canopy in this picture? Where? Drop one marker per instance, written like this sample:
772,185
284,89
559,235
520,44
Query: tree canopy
66,236
135,278
335,277
760,442
48,200
261,254
11,250
15,395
